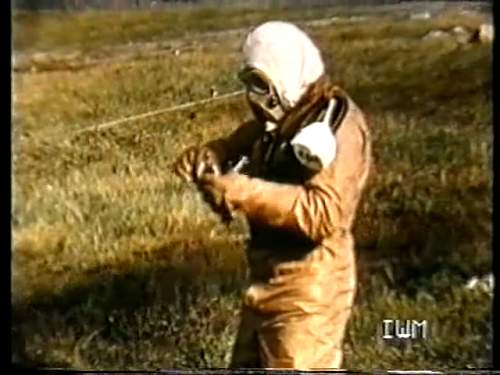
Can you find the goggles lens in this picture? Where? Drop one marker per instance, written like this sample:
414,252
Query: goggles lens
255,81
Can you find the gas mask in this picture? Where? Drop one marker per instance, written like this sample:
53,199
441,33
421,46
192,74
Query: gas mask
315,145
262,95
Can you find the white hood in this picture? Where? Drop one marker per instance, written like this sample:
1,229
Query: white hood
286,55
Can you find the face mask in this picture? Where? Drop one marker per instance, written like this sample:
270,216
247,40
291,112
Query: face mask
315,145
261,95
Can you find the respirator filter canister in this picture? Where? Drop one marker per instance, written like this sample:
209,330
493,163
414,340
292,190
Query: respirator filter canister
315,145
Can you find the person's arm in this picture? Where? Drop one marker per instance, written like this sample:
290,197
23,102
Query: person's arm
196,161
240,141
315,208
307,209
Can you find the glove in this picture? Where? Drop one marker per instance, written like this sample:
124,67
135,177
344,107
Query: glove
213,189
196,161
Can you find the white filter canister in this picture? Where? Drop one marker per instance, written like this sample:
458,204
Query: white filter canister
315,145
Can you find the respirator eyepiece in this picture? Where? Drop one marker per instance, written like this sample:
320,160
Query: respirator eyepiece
255,81
263,98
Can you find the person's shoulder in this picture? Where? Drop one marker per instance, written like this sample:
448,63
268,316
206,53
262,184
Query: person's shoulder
349,112
340,93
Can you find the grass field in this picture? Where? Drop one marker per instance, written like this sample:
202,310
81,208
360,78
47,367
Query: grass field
118,265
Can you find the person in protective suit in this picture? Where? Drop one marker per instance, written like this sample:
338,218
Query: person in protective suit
300,204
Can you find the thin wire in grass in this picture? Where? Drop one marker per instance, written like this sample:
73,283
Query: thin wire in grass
157,112
129,119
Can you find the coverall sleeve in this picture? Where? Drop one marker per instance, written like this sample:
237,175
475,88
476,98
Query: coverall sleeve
315,208
308,209
238,142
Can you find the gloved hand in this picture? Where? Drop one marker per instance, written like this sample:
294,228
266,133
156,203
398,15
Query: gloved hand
196,161
214,189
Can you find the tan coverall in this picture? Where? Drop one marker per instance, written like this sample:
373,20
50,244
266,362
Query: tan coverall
301,252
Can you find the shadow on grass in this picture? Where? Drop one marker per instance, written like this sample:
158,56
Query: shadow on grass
144,305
